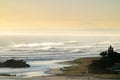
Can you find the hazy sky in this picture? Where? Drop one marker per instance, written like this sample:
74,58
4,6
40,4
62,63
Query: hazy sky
60,17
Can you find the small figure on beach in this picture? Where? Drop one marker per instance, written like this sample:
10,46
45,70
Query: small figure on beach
88,78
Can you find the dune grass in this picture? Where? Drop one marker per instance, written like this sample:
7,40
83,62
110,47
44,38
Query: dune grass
85,67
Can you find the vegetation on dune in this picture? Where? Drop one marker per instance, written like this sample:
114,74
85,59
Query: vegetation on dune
81,66
104,65
14,64
110,57
107,63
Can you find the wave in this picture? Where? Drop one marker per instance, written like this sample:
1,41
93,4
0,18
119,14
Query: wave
103,43
77,51
38,44
71,42
48,49
43,44
40,50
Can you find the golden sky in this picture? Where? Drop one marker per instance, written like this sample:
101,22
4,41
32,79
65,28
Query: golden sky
59,16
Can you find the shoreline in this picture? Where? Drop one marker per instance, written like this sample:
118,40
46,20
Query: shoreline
50,78
59,74
76,63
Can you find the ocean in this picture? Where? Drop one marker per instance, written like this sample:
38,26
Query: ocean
44,52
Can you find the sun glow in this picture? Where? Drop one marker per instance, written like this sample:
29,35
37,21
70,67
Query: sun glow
73,17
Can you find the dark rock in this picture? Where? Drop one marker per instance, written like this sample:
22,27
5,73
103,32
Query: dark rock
14,64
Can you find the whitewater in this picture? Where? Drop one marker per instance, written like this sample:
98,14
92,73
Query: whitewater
44,53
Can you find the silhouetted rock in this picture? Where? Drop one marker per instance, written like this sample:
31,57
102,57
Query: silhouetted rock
14,64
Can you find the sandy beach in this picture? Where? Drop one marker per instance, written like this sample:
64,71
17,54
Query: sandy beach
56,74
50,78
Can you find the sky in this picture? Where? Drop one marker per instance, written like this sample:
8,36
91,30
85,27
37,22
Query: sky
60,17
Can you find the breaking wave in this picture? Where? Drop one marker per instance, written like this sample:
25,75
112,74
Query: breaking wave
38,44
43,44
78,51
71,42
103,43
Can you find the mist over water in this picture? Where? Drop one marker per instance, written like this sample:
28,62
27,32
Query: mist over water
42,53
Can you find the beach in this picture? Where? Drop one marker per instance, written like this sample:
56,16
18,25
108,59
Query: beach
59,39
44,55
51,78
56,74
59,74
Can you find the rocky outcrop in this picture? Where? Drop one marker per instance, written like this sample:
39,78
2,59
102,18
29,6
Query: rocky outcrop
14,64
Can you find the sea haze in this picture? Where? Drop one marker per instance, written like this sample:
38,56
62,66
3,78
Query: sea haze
44,53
